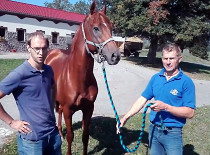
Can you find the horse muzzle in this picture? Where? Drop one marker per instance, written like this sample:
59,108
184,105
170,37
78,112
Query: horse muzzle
113,58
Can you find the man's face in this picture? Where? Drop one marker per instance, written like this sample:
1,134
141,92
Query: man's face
170,61
38,49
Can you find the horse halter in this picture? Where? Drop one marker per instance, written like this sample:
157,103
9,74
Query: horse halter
99,58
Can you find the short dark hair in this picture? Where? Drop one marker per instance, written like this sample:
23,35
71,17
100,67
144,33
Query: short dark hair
39,34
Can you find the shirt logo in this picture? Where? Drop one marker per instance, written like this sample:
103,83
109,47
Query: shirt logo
174,92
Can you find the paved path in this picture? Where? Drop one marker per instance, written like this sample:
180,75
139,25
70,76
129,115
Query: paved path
126,82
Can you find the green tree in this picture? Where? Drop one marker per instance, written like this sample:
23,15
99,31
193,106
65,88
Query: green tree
81,6
59,4
131,17
162,21
191,24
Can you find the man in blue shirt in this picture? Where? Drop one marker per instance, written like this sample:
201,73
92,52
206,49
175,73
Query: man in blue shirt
174,100
32,85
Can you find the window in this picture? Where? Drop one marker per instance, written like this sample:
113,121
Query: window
55,37
2,33
72,35
21,34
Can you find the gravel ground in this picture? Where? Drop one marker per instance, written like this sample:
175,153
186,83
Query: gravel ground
126,82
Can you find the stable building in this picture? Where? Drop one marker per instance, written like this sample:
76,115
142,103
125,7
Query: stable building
18,20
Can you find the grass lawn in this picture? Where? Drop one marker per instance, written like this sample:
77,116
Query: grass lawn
6,65
103,138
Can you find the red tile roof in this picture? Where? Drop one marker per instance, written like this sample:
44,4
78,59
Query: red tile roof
38,11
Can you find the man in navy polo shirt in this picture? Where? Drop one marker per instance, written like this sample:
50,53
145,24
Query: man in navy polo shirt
174,100
32,85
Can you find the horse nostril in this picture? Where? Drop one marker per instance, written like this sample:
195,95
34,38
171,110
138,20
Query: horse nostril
115,57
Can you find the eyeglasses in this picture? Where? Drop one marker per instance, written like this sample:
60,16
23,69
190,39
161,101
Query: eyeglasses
37,50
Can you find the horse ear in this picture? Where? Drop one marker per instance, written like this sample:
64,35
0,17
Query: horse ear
93,7
104,9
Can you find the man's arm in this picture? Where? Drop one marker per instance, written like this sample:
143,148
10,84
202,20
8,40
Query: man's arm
136,107
18,125
4,116
184,112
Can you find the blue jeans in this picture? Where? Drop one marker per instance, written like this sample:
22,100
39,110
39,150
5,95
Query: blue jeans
162,142
50,145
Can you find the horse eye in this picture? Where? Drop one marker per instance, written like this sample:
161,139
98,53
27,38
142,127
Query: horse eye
96,28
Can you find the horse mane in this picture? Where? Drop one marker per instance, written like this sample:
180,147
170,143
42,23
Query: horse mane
75,38
77,34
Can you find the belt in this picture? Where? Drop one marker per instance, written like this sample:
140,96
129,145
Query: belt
164,128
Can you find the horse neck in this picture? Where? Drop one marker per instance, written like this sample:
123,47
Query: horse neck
81,59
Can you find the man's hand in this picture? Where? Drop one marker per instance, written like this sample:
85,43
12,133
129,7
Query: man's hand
122,123
20,126
158,106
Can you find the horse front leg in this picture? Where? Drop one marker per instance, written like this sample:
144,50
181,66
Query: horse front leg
69,130
87,114
60,110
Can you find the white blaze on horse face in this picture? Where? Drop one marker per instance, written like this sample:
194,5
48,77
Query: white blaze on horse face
105,24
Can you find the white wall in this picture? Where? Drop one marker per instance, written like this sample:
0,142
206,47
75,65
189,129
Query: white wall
31,24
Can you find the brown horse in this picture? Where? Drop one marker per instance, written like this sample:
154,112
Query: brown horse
73,70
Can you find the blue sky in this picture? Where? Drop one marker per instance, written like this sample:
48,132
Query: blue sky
41,2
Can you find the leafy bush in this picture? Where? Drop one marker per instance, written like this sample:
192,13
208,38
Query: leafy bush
200,48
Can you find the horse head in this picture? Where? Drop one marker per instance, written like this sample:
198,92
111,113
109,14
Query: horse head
97,34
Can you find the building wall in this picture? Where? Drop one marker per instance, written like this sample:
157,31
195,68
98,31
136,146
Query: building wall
12,23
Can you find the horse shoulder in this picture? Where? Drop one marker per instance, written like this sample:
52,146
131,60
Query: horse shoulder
56,58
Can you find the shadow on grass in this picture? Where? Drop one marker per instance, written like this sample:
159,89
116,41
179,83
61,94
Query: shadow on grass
188,149
185,66
103,130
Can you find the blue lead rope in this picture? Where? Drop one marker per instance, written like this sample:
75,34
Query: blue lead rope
118,120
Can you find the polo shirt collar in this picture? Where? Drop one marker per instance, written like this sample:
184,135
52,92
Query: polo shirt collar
161,73
32,69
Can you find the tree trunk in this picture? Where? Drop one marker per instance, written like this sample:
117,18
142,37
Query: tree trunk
152,50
